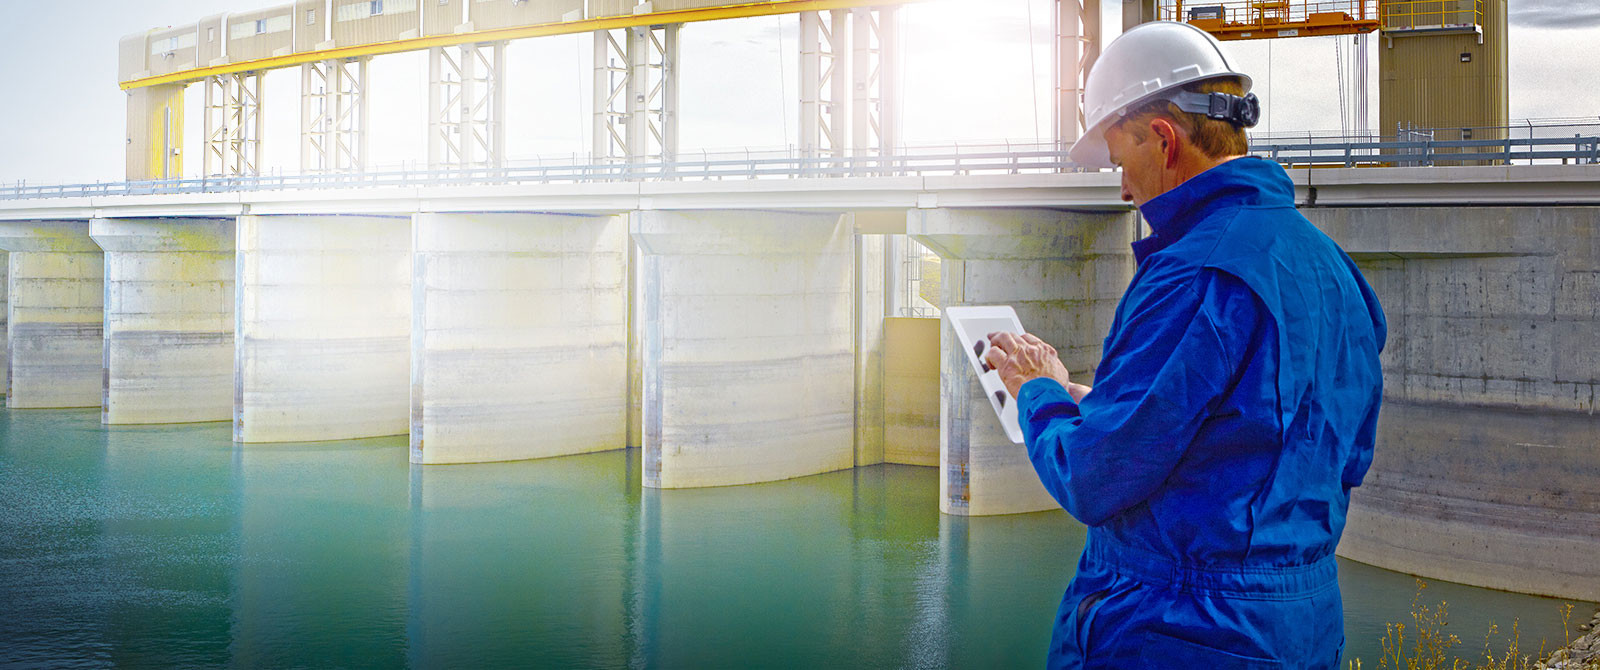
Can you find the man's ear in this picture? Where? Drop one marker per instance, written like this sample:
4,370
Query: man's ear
1168,135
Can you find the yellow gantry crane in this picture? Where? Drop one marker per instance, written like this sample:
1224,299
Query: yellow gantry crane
1442,63
1267,19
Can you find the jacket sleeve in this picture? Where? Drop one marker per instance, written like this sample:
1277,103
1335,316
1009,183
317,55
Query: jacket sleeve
1162,372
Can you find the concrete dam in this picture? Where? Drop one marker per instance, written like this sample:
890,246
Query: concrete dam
746,331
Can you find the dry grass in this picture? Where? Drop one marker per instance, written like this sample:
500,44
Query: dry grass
1424,644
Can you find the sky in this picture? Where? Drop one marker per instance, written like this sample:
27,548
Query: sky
969,76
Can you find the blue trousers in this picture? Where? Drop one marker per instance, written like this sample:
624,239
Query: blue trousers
1130,608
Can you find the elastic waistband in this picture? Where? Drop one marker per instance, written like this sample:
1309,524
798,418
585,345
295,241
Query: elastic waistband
1258,582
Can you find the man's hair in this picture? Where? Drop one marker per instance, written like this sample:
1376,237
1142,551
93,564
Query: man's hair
1215,138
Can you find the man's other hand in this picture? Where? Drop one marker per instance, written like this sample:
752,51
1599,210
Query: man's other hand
1023,358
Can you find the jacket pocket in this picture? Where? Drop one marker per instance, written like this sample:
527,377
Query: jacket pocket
1165,651
1091,604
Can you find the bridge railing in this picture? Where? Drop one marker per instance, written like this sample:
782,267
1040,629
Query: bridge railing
1532,147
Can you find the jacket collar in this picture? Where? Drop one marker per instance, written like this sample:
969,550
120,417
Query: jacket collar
1246,181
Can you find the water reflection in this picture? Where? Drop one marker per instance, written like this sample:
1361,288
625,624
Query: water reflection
322,568
850,569
115,545
519,562
169,546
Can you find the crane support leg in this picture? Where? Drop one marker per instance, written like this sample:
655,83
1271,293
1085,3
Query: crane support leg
466,106
233,125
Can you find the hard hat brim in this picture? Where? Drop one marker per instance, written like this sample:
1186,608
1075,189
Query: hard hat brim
1091,150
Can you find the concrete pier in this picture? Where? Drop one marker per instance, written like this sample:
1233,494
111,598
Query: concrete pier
1489,442
1063,271
519,336
748,350
323,323
168,354
53,323
5,358
871,306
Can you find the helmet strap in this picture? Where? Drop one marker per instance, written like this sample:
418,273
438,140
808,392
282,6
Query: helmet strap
1242,112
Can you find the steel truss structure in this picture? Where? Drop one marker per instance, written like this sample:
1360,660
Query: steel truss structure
849,82
467,106
875,73
825,83
233,125
1077,47
636,95
333,116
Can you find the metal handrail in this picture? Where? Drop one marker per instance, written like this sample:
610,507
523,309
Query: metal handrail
906,162
1404,14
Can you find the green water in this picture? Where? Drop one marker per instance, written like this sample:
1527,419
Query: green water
170,546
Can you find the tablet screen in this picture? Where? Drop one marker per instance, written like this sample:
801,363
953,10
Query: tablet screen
972,326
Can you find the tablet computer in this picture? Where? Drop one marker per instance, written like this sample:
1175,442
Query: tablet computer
972,326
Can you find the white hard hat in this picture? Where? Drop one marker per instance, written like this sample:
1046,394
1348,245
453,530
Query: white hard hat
1149,61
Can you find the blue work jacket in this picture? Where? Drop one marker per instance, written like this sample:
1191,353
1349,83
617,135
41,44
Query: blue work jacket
1234,408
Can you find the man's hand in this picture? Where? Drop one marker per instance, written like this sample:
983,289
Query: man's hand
1023,358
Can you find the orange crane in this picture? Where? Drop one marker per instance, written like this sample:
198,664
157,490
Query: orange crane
1267,19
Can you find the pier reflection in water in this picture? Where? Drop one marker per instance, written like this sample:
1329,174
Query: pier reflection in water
169,546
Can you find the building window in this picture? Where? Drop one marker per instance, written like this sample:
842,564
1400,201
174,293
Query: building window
377,8
311,17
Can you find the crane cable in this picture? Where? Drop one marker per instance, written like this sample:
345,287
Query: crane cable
1033,75
1338,64
783,89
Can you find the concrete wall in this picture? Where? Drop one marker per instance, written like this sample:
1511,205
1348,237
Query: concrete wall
519,336
748,363
635,347
1063,271
168,350
323,323
870,310
1489,445
5,360
53,324
911,391
1488,306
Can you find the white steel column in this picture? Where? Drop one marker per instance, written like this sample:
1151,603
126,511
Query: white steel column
875,122
638,104
636,95
1077,46
1362,101
333,116
610,97
824,83
233,125
1135,12
466,106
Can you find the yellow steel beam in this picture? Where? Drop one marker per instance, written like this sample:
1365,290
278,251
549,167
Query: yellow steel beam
1237,31
515,33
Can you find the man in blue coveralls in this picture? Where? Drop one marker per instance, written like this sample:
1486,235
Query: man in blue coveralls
1236,401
